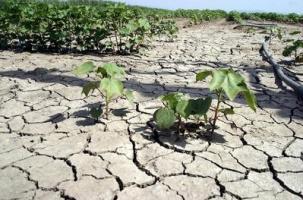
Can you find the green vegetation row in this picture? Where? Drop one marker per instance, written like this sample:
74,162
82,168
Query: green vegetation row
198,16
64,27
275,17
99,26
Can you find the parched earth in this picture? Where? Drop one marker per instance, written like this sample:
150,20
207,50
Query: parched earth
51,149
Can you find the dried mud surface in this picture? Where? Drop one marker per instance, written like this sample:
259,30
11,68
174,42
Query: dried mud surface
51,149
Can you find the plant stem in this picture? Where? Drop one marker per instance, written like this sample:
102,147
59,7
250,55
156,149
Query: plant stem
219,95
116,37
205,119
179,123
106,109
198,120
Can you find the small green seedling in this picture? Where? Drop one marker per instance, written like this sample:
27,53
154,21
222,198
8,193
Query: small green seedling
273,32
108,83
230,83
178,106
276,32
293,49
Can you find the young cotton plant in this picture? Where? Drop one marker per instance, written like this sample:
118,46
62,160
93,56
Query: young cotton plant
108,84
227,82
178,106
294,49
135,33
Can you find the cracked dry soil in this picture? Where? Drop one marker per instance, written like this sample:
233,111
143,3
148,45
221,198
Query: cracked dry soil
51,149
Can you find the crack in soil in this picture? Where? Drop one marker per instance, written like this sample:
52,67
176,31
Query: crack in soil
281,183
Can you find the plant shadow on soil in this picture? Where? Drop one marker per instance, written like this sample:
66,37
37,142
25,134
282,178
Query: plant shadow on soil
170,139
83,115
148,89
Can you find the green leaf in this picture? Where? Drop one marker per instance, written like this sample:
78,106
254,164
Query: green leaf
91,86
112,87
200,106
203,75
102,71
144,23
129,95
231,84
113,70
218,79
186,108
96,113
183,108
294,47
171,100
227,111
250,99
165,118
128,29
85,68
288,50
229,81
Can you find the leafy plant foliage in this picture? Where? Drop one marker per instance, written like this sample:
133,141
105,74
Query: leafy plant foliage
294,48
199,16
108,83
70,27
177,106
230,83
224,83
